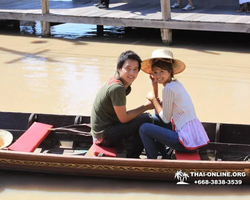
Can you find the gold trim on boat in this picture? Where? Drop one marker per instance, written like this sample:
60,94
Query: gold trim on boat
113,167
247,172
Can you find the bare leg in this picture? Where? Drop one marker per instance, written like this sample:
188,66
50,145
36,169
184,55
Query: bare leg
190,2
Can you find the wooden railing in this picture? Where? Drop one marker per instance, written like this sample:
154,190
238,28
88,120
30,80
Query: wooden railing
166,34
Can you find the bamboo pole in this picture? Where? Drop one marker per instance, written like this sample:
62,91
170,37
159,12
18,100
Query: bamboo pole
45,25
166,34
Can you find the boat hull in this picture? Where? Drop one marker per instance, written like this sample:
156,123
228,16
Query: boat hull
163,170
69,162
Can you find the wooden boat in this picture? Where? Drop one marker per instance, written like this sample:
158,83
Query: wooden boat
225,158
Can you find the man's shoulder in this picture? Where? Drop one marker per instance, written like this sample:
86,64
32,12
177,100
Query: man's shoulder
115,84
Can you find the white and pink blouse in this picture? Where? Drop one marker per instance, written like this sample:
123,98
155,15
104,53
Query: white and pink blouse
177,105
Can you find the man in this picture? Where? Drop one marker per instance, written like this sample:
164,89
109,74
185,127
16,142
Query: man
102,4
111,123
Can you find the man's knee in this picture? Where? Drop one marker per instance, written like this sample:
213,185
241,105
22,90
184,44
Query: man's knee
145,118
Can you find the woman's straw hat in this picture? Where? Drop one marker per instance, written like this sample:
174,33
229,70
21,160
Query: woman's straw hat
178,65
5,138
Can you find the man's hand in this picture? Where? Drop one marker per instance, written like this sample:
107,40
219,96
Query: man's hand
149,105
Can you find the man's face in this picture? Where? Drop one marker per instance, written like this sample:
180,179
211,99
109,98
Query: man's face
129,72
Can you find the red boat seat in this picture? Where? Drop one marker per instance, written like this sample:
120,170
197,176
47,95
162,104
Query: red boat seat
96,150
31,138
187,156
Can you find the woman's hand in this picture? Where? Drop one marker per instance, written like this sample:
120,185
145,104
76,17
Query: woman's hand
153,81
150,96
154,84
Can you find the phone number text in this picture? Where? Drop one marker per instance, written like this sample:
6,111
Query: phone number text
218,182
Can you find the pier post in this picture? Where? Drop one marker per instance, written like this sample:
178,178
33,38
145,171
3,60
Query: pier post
99,30
45,25
166,34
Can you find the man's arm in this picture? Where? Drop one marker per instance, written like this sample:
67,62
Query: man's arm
125,116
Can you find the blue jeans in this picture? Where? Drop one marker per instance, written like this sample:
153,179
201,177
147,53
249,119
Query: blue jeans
152,134
128,132
162,148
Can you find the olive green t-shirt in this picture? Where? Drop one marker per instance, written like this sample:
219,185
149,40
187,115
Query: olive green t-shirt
103,114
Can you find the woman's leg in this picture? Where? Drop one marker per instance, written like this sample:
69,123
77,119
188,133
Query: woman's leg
164,151
150,134
158,121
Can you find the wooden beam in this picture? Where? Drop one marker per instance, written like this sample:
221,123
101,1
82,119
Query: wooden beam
45,25
179,25
166,34
227,147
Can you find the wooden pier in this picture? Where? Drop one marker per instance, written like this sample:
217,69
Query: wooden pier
211,15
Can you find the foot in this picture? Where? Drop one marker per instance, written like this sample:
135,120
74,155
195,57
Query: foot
103,5
188,7
97,4
242,8
176,5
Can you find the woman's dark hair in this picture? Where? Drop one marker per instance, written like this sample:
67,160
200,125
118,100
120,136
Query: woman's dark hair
163,64
128,55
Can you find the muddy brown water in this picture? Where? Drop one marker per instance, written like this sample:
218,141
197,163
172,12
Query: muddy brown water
62,75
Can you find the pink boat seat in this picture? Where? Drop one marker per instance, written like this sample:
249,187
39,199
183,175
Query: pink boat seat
187,156
31,138
96,150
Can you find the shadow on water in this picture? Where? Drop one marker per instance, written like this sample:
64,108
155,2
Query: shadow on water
73,184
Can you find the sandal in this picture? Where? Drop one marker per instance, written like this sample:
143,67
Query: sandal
188,7
175,5
242,8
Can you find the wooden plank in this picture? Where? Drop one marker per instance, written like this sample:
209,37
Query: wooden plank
218,18
22,5
221,27
148,10
71,11
127,11
227,147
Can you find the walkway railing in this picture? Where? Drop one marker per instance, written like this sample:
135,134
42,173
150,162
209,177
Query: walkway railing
166,34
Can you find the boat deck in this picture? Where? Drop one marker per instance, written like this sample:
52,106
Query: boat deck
206,18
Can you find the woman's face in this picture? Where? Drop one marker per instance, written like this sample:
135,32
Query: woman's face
129,72
162,76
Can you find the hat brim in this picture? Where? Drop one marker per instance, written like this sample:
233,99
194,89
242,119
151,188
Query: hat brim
178,65
6,138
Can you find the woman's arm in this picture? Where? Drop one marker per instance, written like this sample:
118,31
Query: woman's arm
154,85
151,97
167,105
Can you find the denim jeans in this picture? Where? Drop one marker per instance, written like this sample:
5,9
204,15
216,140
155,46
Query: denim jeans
162,148
128,132
152,134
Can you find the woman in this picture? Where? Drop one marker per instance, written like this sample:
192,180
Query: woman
190,5
242,6
176,105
